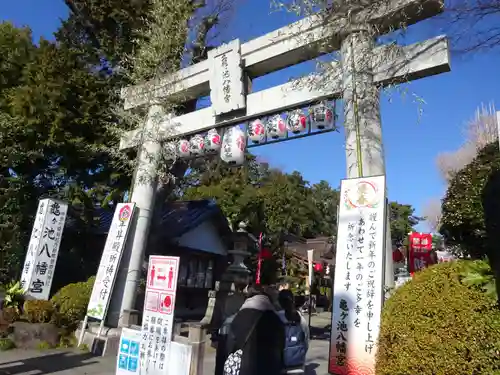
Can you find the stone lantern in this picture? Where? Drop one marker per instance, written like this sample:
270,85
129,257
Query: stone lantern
238,273
228,292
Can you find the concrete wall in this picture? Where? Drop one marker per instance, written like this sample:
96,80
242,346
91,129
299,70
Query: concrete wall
204,237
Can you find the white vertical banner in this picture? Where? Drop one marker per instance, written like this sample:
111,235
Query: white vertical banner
310,258
158,315
110,261
31,254
359,276
46,237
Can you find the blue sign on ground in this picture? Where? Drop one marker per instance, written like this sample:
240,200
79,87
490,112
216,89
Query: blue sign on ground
127,362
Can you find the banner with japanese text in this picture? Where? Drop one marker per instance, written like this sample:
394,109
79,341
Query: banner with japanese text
158,315
43,248
110,261
359,272
419,251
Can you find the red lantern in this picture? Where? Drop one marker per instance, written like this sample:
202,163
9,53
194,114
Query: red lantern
318,267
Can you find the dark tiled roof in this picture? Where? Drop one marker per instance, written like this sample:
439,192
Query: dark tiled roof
323,246
175,219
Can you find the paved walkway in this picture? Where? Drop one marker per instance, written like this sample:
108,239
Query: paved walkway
76,362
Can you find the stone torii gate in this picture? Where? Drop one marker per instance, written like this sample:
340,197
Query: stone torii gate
356,79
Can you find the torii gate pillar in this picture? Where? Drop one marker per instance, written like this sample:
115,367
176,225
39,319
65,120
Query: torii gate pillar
143,194
362,124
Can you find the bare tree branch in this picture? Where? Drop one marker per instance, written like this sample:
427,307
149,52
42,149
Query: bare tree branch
473,24
478,132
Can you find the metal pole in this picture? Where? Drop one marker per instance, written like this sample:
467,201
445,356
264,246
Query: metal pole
310,308
83,329
101,326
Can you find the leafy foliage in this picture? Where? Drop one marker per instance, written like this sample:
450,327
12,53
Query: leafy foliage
403,220
59,127
38,311
270,201
480,275
435,324
71,302
6,344
463,220
14,295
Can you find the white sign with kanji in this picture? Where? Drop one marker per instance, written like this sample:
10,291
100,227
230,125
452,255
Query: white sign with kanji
34,243
158,316
110,261
358,285
43,249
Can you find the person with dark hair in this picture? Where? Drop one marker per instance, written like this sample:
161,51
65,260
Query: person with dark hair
296,334
256,337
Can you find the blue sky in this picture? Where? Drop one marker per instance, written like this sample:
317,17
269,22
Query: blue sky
411,142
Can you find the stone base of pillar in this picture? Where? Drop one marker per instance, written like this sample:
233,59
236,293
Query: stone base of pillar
106,345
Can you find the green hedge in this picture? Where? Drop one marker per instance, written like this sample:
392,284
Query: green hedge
71,303
38,311
436,325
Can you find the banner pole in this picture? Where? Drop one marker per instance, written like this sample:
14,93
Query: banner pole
83,329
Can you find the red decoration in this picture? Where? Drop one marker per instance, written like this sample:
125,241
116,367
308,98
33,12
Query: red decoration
397,256
266,254
318,267
167,302
419,254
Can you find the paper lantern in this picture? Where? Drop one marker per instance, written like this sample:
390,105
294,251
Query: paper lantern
276,127
233,146
322,117
184,148
297,122
212,141
257,131
197,145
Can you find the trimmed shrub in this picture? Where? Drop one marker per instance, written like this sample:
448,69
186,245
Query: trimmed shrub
437,325
71,303
37,311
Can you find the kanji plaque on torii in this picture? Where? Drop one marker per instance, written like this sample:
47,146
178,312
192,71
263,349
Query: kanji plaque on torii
362,66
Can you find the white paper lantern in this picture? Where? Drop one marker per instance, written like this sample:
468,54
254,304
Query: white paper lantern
257,131
297,122
213,141
197,145
322,117
276,127
233,146
183,149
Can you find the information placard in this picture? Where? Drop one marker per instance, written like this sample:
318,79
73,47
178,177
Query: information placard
158,315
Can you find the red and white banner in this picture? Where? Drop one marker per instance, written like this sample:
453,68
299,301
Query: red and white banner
419,251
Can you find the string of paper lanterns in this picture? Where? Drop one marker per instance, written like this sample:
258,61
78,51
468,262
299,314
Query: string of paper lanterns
232,146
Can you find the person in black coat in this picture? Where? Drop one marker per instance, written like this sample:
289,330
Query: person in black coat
260,333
